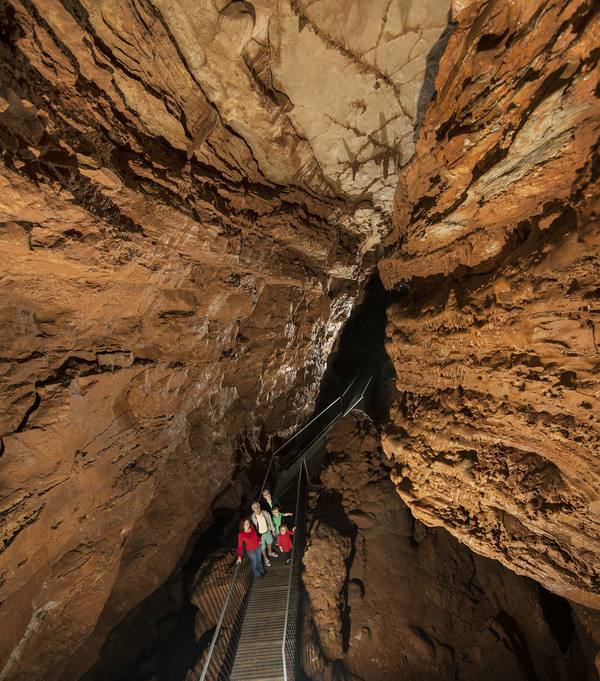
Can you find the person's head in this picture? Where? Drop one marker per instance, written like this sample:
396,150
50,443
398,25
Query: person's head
256,507
275,510
267,494
245,525
283,529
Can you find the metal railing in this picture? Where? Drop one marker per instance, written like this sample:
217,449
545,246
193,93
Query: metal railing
346,403
330,408
290,653
289,643
221,652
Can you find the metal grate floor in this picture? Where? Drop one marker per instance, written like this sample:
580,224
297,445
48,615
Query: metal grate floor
259,654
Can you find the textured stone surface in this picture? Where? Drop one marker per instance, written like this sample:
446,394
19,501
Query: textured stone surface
495,430
187,212
414,603
324,576
190,197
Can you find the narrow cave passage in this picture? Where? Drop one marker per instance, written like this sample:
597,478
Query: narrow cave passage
173,649
215,215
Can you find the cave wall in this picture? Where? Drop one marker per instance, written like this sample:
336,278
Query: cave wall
191,197
494,431
394,599
187,215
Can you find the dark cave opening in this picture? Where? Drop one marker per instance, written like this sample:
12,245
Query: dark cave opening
559,617
360,351
518,642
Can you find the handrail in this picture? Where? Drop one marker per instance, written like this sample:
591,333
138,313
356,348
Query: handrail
299,536
289,589
364,390
328,426
295,435
220,622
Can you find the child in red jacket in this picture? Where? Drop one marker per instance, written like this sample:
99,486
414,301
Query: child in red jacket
285,540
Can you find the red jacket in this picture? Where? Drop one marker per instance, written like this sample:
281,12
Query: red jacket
251,539
285,541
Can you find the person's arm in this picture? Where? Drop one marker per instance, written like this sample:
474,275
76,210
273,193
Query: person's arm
240,547
270,522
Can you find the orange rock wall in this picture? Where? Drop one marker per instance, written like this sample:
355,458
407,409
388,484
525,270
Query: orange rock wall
495,431
412,602
161,300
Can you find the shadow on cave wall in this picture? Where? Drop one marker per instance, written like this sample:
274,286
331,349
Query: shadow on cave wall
432,65
156,640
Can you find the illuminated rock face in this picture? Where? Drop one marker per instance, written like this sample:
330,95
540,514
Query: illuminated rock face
191,195
495,429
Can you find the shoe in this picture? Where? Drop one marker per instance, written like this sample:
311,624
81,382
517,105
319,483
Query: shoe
268,563
274,555
259,576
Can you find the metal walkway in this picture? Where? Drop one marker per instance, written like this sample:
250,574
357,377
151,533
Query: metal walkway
258,656
256,636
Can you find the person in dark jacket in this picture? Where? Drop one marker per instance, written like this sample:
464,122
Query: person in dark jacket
268,501
248,538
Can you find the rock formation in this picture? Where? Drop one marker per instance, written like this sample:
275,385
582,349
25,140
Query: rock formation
495,429
191,196
413,603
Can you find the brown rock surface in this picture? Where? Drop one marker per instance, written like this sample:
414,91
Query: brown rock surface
186,217
417,604
191,196
324,575
495,430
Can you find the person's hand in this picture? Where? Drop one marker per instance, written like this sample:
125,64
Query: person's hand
238,561
294,528
288,514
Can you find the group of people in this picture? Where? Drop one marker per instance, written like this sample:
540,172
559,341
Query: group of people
262,531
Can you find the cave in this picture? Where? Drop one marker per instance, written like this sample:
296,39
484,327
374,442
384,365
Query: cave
344,251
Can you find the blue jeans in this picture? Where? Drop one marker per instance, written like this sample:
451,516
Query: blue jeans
256,562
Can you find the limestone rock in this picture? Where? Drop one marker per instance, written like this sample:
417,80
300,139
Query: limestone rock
417,604
324,575
191,197
494,431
